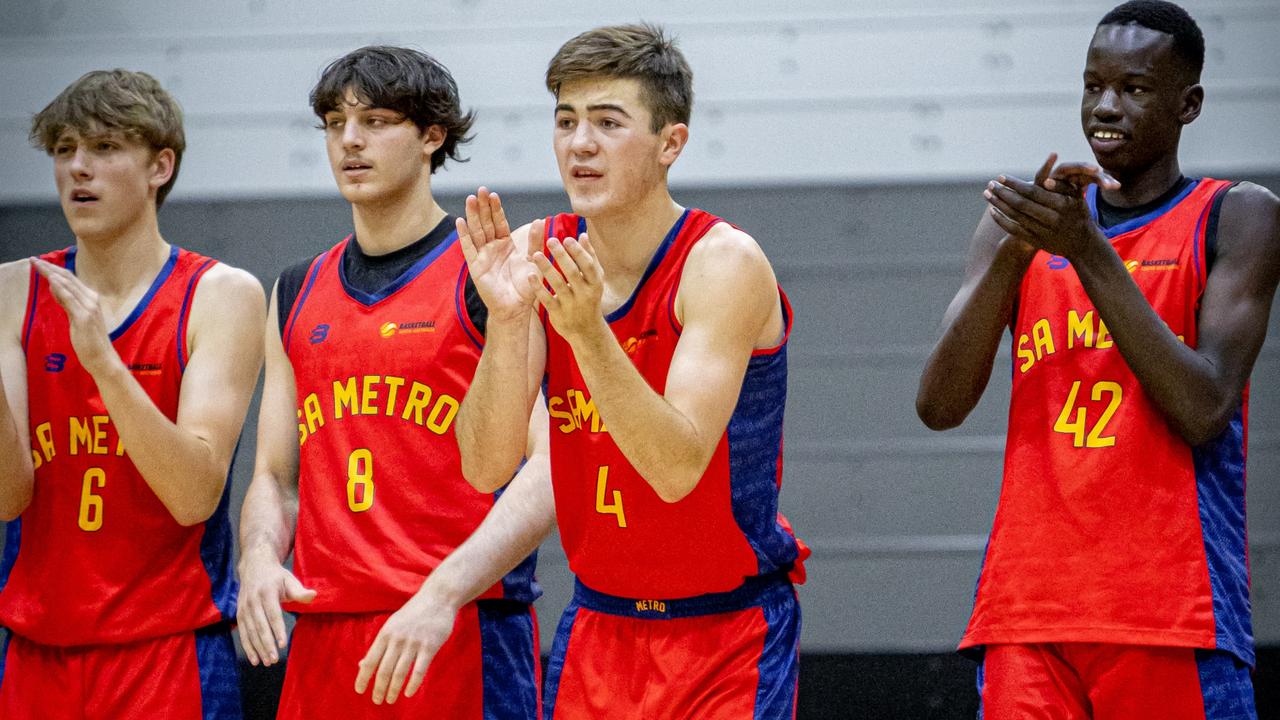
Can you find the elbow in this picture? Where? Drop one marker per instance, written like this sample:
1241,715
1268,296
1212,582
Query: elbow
196,509
935,416
674,487
1204,428
12,507
484,477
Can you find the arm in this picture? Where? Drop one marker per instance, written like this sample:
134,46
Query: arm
519,521
184,462
728,302
270,513
1197,389
17,476
492,418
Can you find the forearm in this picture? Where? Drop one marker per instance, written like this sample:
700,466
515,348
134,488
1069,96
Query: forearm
959,367
495,412
17,476
1187,388
519,521
659,441
268,519
183,470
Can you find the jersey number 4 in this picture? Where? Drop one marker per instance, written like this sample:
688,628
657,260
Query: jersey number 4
1072,420
608,508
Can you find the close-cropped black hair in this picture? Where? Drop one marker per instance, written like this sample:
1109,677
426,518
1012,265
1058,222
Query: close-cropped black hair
1168,18
405,80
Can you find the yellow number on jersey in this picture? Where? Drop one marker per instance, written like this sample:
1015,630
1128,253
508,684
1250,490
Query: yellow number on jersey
360,480
1071,420
90,504
613,508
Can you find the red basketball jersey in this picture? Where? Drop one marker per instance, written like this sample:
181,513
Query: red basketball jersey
620,537
96,557
1110,528
380,378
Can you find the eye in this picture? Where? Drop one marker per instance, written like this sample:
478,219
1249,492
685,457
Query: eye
105,146
1136,90
61,150
378,122
610,124
1090,87
333,123
564,123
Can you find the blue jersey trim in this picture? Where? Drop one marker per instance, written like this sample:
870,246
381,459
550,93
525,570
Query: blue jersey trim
508,658
459,301
12,542
405,278
215,551
146,299
182,314
1220,491
4,652
1091,196
555,664
219,673
756,591
661,252
31,311
779,665
302,299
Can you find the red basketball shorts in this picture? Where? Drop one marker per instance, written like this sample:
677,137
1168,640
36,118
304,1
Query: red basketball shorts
1095,681
488,669
188,676
725,656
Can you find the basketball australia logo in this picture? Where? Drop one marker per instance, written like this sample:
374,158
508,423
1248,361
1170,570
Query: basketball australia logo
389,329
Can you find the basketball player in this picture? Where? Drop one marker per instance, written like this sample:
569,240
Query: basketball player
663,339
127,364
1115,584
371,346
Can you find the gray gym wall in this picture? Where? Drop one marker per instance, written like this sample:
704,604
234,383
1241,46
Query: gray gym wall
852,141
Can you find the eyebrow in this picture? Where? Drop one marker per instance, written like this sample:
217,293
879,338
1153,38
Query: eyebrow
592,108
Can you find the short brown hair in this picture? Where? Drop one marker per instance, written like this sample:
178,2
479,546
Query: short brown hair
641,52
122,100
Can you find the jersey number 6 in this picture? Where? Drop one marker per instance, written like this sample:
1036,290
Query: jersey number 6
91,504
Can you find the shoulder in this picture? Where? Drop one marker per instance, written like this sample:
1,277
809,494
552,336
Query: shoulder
1249,221
1251,199
727,253
226,297
225,282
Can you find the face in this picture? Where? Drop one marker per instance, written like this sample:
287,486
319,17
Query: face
608,153
1137,97
377,154
107,181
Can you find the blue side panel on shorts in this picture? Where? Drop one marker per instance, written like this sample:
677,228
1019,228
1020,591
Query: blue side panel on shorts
982,684
779,665
215,551
555,665
12,540
1220,482
755,452
1226,686
520,584
4,652
219,673
509,659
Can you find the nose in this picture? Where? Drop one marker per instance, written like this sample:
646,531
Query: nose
583,141
1108,105
80,166
352,137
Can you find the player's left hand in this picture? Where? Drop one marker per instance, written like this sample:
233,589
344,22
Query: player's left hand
404,647
1055,221
572,288
89,335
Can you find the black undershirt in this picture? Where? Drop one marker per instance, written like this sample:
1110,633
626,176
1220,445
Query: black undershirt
372,273
1109,215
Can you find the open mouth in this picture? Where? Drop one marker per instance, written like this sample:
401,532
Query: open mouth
355,166
585,174
1106,139
83,197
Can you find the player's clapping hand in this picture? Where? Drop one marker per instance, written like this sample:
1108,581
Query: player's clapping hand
264,585
89,335
404,648
498,268
1050,212
570,289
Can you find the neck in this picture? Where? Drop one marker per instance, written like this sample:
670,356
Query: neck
626,240
113,265
388,224
1143,186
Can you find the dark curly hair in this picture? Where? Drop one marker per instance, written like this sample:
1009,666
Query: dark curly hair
405,80
1170,19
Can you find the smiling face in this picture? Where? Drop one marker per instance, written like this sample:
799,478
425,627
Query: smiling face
377,154
1137,97
107,181
608,153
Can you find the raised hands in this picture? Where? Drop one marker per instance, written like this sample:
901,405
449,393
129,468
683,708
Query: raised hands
1050,213
570,289
500,270
89,336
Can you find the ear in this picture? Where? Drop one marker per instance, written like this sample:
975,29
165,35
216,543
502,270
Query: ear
162,165
674,137
1192,101
432,138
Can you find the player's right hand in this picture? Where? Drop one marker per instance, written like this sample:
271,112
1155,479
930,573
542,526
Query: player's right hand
264,585
499,269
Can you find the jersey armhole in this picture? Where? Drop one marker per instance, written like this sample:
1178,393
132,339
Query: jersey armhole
29,319
185,312
291,293
1211,226
463,308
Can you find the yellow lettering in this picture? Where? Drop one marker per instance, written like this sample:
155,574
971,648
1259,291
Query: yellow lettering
311,409
79,435
369,393
1079,327
1104,337
44,435
584,410
36,460
393,384
419,396
442,414
1028,357
1042,336
566,420
344,397
302,430
100,434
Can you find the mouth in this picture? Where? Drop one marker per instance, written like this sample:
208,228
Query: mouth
355,165
1106,139
83,197
583,173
